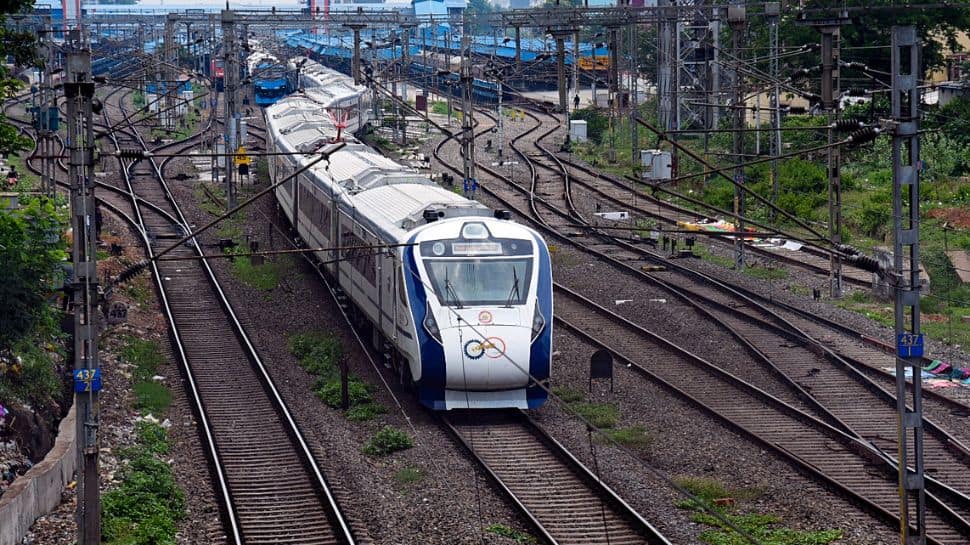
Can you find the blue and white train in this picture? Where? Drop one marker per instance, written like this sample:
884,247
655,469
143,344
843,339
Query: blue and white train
458,295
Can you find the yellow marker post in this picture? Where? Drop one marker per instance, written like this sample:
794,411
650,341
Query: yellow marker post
241,158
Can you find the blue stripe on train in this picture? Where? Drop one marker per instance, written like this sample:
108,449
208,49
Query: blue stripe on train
431,387
540,355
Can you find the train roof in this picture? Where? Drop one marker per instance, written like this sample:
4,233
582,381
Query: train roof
357,168
397,209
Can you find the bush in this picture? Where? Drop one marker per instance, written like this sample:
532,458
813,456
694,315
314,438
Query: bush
388,440
31,252
367,411
357,393
319,353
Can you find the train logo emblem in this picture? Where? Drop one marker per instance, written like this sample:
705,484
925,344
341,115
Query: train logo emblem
484,317
493,347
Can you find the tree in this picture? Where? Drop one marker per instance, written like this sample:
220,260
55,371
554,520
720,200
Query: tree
20,45
31,250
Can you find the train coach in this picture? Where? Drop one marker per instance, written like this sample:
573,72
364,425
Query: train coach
456,294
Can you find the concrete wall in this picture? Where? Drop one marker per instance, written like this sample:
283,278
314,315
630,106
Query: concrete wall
38,492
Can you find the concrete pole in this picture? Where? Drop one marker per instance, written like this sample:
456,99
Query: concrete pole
169,58
467,118
355,63
737,20
830,71
576,63
773,12
614,85
518,47
230,79
561,71
79,91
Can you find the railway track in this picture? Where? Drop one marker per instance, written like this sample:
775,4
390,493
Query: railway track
266,475
566,501
830,454
851,420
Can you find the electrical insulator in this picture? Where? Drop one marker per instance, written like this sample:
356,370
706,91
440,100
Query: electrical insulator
856,92
861,136
131,272
848,125
847,249
131,153
865,263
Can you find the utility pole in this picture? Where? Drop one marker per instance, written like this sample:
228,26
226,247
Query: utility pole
738,22
614,84
79,92
665,67
560,37
467,119
828,25
830,102
169,58
231,83
773,13
909,350
47,115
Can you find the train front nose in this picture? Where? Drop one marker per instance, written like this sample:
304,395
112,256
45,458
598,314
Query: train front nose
486,358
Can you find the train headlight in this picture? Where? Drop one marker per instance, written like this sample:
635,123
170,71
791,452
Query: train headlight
538,323
431,325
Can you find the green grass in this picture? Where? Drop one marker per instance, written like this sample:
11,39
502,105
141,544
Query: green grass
569,395
632,436
439,107
754,270
408,475
263,277
388,440
152,398
515,535
765,527
145,356
146,506
601,415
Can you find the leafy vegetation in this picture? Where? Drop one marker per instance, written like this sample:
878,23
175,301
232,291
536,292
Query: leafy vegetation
387,441
145,508
31,254
265,276
320,355
145,357
766,528
516,535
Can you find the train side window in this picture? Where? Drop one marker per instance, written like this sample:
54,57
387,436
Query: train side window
402,288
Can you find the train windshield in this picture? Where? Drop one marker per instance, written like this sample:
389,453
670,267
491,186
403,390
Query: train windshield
476,282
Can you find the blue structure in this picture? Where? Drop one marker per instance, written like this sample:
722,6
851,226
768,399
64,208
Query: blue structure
270,83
